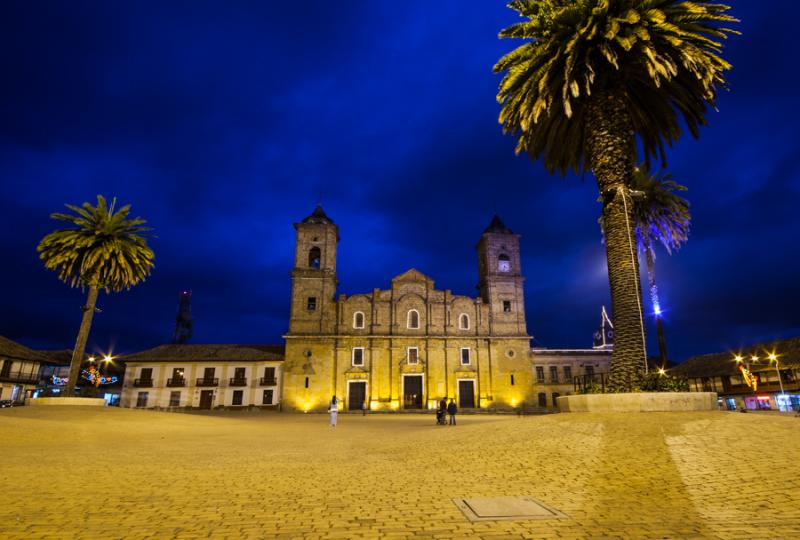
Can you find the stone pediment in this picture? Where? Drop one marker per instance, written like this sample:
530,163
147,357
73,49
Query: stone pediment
413,276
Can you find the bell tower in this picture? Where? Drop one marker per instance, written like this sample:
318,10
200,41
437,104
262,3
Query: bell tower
314,275
500,279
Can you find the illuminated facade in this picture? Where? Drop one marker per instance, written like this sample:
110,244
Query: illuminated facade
775,366
411,345
203,377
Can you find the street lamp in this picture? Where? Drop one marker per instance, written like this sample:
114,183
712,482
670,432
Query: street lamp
774,358
747,374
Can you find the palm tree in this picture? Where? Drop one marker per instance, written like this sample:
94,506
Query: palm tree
104,250
595,75
661,216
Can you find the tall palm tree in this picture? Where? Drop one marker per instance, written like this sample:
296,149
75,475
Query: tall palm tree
594,76
103,250
661,216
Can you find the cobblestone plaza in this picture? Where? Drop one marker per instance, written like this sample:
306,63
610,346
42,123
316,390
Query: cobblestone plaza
110,473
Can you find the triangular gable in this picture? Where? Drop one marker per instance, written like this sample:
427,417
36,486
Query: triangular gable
413,275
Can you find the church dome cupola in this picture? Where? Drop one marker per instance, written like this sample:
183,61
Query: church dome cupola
318,216
497,226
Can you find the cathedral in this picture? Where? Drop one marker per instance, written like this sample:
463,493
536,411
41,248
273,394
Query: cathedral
411,345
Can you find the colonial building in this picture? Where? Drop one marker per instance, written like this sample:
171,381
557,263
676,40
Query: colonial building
20,371
203,376
412,344
777,380
556,371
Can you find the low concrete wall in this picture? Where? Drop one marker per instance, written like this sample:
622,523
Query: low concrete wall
90,402
640,402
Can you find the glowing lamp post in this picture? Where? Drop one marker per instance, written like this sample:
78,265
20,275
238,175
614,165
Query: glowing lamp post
774,358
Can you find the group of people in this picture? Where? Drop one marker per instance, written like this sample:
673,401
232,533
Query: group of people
445,409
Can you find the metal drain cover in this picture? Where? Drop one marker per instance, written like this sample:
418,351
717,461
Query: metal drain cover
506,509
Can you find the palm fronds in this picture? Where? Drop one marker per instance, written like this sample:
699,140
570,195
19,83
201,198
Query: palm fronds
663,57
103,247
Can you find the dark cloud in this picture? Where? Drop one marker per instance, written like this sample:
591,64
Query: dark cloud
223,124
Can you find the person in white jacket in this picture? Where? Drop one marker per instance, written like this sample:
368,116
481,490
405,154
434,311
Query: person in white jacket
334,410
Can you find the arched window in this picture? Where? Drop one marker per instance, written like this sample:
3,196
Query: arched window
413,319
503,263
463,322
314,256
358,320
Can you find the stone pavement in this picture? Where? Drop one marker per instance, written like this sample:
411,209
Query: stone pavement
112,473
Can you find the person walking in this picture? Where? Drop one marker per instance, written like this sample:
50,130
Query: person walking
334,410
452,410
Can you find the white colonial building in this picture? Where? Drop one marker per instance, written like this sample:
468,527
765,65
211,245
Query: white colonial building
204,377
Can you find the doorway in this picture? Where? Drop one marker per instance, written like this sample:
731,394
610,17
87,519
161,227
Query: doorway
466,394
412,391
356,395
206,397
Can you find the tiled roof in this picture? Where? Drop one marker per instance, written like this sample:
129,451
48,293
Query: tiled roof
724,363
14,350
202,352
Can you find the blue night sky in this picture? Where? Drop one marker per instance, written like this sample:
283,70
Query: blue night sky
224,123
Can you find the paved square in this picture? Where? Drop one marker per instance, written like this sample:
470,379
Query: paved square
117,473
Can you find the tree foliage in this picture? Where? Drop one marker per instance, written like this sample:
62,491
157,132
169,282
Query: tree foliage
662,57
661,215
103,248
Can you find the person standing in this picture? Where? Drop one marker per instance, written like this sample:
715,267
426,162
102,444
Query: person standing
364,408
441,413
452,410
334,410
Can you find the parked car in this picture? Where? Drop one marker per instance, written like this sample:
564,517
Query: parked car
6,403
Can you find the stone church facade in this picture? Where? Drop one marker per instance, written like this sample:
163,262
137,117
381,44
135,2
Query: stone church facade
411,345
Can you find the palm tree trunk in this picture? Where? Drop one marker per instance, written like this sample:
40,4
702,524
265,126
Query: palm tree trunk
611,150
80,344
651,282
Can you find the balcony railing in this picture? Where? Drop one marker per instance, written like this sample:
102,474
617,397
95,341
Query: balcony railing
143,383
267,381
241,381
207,382
24,378
176,382
596,380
